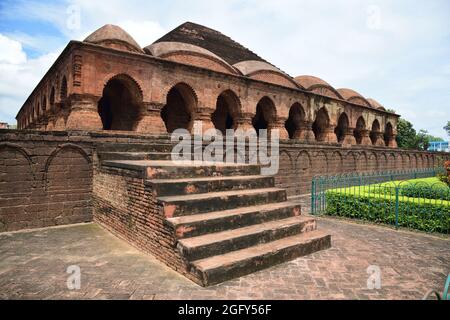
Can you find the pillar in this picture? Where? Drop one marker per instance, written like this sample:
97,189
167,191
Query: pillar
380,139
365,134
330,135
305,132
349,138
150,119
203,117
83,113
278,124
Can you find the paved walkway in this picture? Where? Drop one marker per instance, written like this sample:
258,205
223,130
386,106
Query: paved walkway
33,265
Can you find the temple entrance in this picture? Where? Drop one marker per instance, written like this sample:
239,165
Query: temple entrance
388,134
295,120
227,109
181,102
342,127
265,113
360,127
321,125
374,132
120,104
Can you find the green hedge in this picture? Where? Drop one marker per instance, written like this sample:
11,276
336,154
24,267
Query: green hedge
362,203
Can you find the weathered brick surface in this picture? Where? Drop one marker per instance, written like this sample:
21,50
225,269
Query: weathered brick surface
127,207
46,177
45,180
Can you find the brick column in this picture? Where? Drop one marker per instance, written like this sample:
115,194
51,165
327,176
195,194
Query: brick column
330,135
203,116
244,122
380,139
50,121
278,124
349,138
392,141
83,113
305,133
366,138
150,119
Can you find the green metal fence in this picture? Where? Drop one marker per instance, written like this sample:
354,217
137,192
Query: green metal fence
413,199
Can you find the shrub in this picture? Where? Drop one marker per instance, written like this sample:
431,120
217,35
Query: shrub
421,214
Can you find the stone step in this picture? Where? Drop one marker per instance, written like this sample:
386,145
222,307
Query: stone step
106,156
231,240
199,224
150,146
219,268
172,187
184,169
175,206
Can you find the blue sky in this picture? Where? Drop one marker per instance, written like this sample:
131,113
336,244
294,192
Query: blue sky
397,52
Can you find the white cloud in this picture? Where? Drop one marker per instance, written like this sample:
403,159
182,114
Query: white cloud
18,75
11,51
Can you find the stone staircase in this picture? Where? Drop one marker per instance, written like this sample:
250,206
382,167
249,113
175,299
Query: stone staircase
228,219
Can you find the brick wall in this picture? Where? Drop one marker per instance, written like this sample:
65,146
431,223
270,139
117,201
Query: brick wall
126,206
45,180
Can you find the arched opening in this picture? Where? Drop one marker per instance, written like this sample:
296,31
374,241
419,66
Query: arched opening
388,133
227,109
120,104
265,114
358,132
38,110
44,104
375,132
63,91
181,103
294,122
342,127
321,125
52,97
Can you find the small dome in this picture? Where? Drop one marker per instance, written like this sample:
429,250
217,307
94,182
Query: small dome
161,49
375,104
349,93
115,37
309,81
252,66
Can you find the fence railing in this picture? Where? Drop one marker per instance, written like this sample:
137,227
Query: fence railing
413,199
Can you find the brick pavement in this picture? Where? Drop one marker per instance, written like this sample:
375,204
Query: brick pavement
33,266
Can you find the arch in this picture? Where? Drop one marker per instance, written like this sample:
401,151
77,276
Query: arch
121,103
372,163
52,97
38,110
68,181
295,120
181,102
321,124
342,127
363,162
228,108
320,164
44,104
63,89
359,128
17,178
336,163
303,167
388,133
374,133
265,114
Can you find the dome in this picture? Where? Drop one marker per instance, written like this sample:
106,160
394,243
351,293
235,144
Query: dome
349,93
354,97
309,81
189,54
252,66
161,49
115,37
375,104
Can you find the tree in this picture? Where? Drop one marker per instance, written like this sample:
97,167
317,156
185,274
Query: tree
406,135
447,128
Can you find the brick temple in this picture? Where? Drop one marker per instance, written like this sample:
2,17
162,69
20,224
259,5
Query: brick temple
93,144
